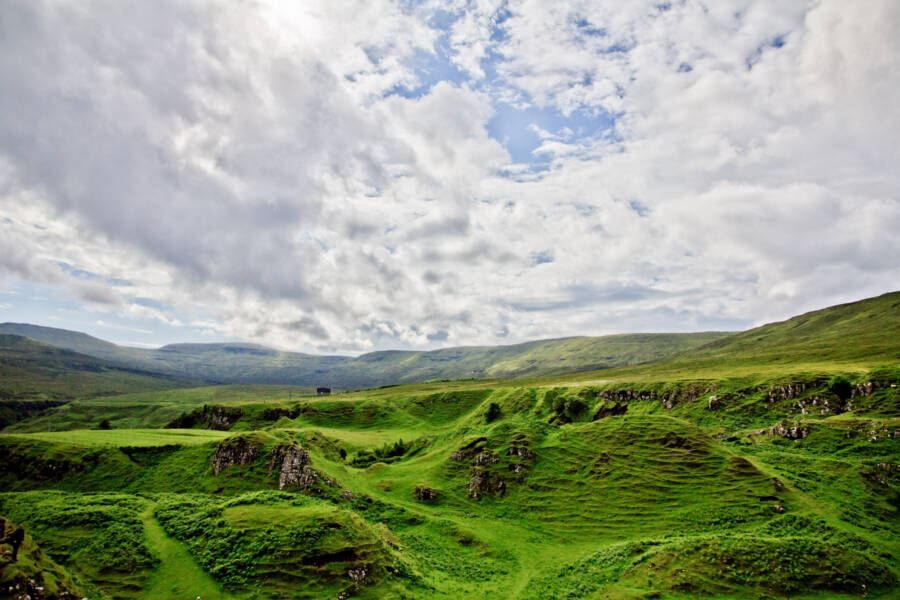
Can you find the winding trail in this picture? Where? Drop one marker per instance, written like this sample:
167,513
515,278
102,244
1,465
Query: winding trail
178,574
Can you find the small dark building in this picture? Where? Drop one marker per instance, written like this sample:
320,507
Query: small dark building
323,391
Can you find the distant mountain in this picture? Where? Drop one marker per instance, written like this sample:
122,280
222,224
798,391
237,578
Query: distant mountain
251,363
30,370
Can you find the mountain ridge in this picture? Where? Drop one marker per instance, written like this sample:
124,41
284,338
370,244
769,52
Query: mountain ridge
238,362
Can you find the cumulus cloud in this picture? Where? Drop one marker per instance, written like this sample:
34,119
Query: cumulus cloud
293,175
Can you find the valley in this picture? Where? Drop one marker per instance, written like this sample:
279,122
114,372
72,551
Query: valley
765,464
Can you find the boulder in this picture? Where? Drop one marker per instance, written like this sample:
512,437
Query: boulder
426,494
234,451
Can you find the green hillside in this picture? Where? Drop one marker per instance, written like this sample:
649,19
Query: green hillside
251,363
764,468
867,330
35,376
580,491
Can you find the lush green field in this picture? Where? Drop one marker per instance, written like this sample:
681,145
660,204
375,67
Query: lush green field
125,437
715,476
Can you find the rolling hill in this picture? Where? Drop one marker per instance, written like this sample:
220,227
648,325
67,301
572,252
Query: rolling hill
36,376
251,363
763,465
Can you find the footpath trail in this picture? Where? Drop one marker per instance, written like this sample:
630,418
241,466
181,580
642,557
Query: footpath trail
178,575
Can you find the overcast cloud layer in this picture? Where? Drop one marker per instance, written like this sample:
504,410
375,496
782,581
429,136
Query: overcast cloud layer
341,178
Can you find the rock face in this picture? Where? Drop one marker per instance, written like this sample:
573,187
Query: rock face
234,451
490,471
293,464
486,458
210,416
521,451
426,494
790,432
785,392
485,483
606,410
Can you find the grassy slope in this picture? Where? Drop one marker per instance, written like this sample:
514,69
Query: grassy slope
668,500
249,363
32,370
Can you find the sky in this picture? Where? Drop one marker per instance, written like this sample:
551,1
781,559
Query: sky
343,177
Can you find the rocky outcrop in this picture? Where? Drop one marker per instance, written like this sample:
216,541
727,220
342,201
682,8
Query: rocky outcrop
210,416
520,451
668,399
273,414
490,471
469,450
232,451
787,391
790,432
486,458
294,470
878,432
426,494
823,406
485,483
609,410
713,403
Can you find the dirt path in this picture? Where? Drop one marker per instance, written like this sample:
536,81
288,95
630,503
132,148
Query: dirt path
178,575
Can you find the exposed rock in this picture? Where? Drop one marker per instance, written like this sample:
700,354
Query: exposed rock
358,574
864,388
778,508
210,416
519,451
273,414
487,458
790,432
784,392
484,483
348,495
294,467
713,403
469,450
426,494
234,451
606,410
777,484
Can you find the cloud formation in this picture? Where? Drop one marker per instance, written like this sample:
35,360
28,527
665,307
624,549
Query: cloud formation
335,178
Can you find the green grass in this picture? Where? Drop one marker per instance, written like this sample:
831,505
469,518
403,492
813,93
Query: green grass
34,371
125,437
645,493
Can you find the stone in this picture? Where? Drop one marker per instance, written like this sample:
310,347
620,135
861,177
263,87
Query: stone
521,451
234,451
426,494
790,432
294,469
713,403
487,458
778,508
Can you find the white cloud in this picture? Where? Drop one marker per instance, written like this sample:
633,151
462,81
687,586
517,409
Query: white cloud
244,168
